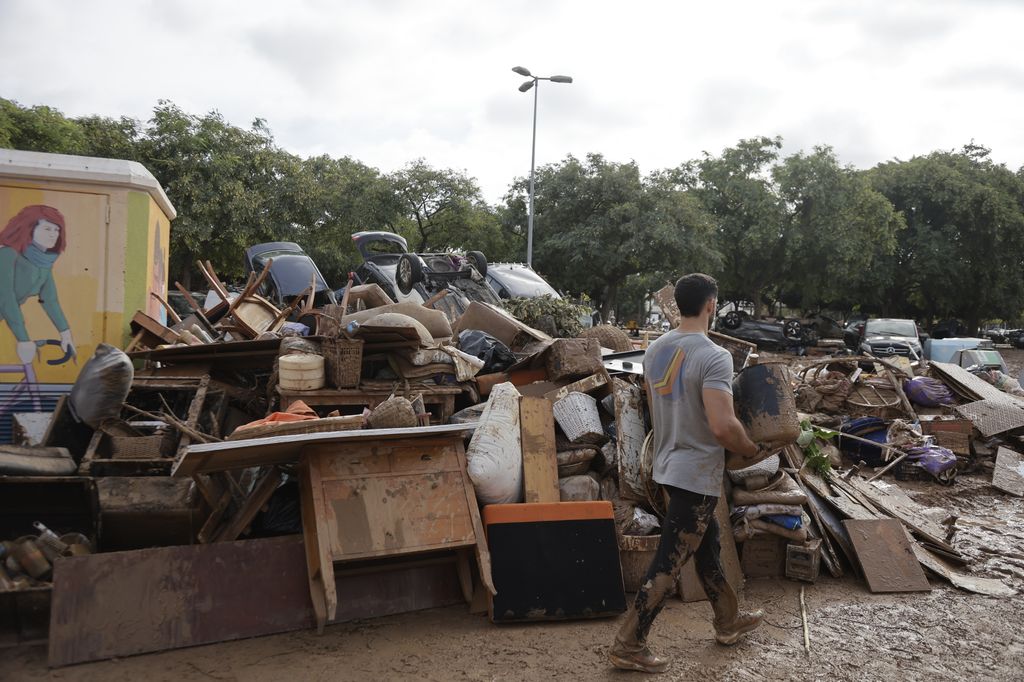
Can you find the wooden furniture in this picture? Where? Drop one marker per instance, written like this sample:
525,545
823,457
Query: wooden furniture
441,398
363,500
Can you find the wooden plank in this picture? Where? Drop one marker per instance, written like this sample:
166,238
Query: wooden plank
886,556
540,464
942,568
319,568
259,496
893,501
1008,475
119,604
240,454
585,385
629,423
689,586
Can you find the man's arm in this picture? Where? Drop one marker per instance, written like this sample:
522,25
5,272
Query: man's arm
727,429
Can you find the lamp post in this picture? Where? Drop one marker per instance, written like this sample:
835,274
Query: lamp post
534,83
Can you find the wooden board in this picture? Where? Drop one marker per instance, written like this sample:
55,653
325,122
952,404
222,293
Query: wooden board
585,385
540,464
891,500
942,568
124,603
241,454
886,556
689,586
629,423
1008,475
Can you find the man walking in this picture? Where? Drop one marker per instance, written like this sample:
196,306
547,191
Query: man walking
689,384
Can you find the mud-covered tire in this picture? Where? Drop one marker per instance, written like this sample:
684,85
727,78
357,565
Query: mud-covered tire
732,320
408,272
478,261
793,330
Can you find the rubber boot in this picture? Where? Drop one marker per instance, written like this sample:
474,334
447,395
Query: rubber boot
730,623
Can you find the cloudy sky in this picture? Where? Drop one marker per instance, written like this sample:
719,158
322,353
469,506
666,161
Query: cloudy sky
387,81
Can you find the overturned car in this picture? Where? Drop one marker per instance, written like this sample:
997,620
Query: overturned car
416,277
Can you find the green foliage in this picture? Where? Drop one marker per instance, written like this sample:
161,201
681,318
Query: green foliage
558,317
810,442
597,223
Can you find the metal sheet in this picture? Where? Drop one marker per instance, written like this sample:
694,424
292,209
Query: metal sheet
992,417
1008,475
886,556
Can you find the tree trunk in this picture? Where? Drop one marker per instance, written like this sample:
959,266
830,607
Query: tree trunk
186,277
609,302
758,304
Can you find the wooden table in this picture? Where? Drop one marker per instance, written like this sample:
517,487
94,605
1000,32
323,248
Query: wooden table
443,397
387,498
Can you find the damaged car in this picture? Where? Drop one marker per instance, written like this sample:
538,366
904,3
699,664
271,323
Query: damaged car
418,277
886,337
291,273
778,335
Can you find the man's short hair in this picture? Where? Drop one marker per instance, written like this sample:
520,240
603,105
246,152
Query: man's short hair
693,292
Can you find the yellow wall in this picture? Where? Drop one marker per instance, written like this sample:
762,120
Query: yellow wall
103,276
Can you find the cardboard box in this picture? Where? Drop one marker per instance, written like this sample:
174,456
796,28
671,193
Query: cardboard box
498,324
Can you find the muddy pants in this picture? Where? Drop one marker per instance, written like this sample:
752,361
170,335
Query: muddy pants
689,530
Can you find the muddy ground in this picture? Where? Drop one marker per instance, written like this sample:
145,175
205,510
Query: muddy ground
945,634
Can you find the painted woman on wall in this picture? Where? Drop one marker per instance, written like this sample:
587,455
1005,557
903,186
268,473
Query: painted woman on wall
29,245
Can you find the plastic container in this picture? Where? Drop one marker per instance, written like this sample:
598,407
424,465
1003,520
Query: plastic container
301,372
765,403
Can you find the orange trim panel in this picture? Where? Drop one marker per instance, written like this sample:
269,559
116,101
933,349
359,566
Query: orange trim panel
530,512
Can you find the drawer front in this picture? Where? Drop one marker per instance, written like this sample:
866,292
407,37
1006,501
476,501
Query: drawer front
387,515
388,459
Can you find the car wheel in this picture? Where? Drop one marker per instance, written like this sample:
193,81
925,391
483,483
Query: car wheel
793,330
408,272
732,320
478,261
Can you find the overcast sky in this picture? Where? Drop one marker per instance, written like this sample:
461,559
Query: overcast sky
387,81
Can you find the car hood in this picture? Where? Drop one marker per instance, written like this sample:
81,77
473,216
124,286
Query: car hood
903,339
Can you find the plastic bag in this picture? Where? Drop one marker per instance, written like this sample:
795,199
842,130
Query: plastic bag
928,392
102,386
496,355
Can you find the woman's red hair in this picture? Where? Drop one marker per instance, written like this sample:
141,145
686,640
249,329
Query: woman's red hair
18,232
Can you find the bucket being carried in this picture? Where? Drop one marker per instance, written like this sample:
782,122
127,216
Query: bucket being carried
765,404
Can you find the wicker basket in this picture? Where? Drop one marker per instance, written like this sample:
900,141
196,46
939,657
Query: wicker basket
609,336
142,447
324,425
766,467
393,413
344,360
577,414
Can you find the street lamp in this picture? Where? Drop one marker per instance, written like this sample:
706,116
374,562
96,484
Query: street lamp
534,83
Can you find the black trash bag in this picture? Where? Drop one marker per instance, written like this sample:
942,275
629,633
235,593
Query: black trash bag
496,355
282,516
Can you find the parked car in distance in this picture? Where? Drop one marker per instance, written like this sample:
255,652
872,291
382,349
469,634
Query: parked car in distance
518,280
290,274
947,329
1015,337
996,334
415,277
885,337
766,334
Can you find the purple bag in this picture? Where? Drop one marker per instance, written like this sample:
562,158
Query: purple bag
927,392
939,462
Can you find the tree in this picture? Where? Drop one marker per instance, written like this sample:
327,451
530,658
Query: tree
599,223
441,207
736,189
960,255
38,129
222,180
838,228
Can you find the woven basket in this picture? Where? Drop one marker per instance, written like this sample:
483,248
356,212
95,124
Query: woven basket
324,425
141,447
393,413
766,467
577,414
344,360
609,336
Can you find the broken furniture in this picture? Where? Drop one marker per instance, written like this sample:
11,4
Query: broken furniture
553,561
368,494
440,398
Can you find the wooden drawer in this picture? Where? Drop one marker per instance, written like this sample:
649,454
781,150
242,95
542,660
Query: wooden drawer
400,514
388,459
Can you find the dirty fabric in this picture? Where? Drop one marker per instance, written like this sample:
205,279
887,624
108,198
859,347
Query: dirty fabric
689,530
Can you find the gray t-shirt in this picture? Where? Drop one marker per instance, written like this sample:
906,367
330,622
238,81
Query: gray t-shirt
677,368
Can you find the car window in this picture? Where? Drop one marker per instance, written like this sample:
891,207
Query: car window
891,328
